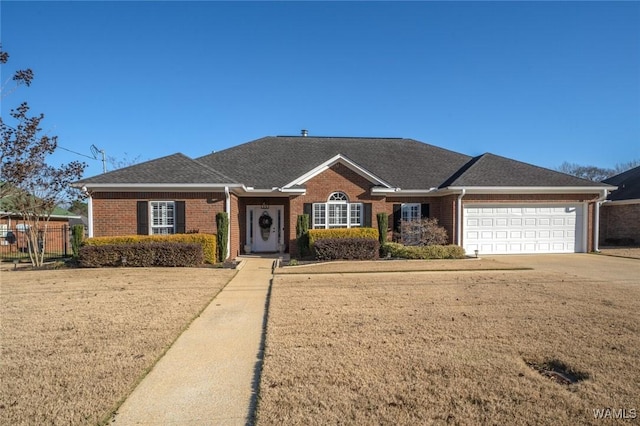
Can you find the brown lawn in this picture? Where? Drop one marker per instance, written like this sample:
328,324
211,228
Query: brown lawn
449,347
75,342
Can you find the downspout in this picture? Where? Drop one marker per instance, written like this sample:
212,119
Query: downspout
89,211
459,217
227,208
596,221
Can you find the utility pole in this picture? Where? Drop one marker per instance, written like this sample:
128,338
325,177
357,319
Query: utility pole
95,151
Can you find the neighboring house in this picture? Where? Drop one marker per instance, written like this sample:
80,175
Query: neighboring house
13,226
487,203
620,214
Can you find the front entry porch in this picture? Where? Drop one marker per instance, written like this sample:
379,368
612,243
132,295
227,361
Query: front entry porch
265,229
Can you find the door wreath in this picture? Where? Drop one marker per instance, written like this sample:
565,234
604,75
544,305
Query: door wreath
265,221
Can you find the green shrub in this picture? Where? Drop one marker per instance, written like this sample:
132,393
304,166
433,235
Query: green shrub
346,249
222,224
383,225
77,235
422,252
366,233
141,255
302,234
207,241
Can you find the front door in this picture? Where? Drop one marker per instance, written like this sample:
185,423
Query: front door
265,227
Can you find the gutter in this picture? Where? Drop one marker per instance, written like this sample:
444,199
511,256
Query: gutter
399,191
227,208
459,217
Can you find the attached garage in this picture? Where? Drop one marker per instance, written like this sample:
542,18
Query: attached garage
524,228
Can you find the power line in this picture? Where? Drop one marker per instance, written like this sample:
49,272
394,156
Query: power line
77,153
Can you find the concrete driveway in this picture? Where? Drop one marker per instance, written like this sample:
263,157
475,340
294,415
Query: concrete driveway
589,266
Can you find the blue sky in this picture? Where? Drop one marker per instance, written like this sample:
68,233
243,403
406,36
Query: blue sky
542,82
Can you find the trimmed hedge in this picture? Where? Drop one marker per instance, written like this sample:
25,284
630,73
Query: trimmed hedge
141,255
347,249
422,252
302,234
222,225
364,233
77,236
208,242
383,225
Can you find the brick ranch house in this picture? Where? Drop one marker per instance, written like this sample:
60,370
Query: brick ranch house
620,214
487,203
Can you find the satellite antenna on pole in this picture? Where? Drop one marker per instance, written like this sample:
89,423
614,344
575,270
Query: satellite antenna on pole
95,151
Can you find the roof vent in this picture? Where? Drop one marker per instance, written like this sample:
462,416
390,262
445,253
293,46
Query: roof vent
304,133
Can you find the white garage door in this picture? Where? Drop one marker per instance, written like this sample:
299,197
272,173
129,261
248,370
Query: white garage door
523,228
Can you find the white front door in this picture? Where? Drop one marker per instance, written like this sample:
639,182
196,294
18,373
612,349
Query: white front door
265,226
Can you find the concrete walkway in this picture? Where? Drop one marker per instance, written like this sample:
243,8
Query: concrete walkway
210,374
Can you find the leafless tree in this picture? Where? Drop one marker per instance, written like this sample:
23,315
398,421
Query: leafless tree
30,187
422,232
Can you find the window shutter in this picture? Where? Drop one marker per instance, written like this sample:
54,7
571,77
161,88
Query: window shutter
180,218
424,211
143,218
366,215
308,209
397,217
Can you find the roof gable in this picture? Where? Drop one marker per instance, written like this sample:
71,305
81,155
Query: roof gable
172,169
489,170
628,184
335,160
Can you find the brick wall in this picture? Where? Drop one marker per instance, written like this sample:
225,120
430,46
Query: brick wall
115,213
337,178
619,221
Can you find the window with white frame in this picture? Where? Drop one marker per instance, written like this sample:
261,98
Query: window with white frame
162,217
411,216
4,228
411,212
337,212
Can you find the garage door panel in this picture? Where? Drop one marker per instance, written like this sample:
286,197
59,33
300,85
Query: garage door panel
523,229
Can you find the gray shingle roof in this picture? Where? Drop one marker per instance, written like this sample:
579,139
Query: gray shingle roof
278,160
628,184
173,169
493,170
